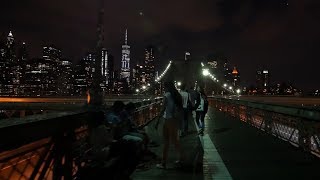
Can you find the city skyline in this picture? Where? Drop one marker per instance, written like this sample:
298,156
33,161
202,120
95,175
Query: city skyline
269,35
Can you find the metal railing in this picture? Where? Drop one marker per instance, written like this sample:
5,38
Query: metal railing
297,125
43,146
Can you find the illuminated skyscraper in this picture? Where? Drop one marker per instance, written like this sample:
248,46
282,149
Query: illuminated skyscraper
111,73
263,81
235,77
149,65
51,53
66,78
10,72
104,67
52,57
125,61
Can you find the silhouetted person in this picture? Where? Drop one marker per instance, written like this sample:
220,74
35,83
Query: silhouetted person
172,106
201,108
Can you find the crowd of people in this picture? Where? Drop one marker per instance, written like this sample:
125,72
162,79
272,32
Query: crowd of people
176,110
119,144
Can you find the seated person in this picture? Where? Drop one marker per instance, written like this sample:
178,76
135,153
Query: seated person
127,116
100,136
122,154
121,128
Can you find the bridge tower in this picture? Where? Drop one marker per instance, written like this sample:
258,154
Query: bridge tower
96,93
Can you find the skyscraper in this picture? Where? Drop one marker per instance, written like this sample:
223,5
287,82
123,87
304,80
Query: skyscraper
104,67
235,77
9,72
263,80
52,57
149,64
66,78
111,73
125,61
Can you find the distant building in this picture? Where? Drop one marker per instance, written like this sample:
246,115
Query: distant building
10,78
125,61
66,78
149,64
227,73
111,73
40,78
235,77
263,81
80,79
139,77
51,53
104,68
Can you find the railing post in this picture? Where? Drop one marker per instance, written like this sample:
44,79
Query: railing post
268,121
304,135
63,160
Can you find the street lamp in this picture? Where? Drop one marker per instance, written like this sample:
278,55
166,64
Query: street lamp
225,85
238,91
205,72
144,87
179,83
230,87
137,90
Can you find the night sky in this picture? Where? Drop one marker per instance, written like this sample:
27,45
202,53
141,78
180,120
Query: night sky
280,35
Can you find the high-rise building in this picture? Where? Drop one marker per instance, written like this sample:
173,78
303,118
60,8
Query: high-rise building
139,77
125,61
111,73
66,78
235,77
80,79
52,56
89,66
51,53
40,78
104,68
18,69
8,70
149,65
263,81
227,72
10,40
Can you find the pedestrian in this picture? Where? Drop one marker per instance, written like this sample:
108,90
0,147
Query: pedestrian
201,108
186,102
172,106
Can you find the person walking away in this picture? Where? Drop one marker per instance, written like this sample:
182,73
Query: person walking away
186,102
172,104
193,97
201,109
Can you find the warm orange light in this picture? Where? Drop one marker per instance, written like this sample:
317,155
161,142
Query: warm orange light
234,71
88,97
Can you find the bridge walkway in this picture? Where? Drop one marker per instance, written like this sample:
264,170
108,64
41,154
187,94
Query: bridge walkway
231,149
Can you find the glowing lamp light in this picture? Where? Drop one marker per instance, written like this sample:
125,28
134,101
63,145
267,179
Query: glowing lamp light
238,91
225,85
230,87
179,83
137,90
88,97
144,87
205,72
